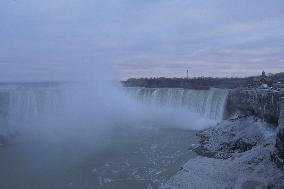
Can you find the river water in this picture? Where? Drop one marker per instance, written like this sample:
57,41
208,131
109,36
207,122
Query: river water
88,137
128,158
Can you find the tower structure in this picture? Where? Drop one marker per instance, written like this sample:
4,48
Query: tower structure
263,74
186,74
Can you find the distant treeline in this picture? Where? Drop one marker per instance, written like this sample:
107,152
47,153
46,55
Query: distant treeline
196,83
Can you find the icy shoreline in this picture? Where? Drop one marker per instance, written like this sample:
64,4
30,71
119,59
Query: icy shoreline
235,154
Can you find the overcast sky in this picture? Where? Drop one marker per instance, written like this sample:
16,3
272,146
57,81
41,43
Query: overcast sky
76,39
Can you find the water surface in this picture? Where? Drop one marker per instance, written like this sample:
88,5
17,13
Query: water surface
126,158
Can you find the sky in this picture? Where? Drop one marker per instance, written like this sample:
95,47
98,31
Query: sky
76,39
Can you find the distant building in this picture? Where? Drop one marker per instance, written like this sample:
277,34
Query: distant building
262,81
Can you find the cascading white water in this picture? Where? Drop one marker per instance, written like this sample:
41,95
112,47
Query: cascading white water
209,103
23,104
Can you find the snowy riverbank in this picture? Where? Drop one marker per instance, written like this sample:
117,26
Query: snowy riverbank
235,154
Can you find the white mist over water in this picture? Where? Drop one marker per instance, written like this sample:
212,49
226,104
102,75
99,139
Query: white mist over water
62,126
86,112
99,105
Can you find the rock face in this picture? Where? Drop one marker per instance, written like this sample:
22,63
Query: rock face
230,137
278,156
262,103
237,155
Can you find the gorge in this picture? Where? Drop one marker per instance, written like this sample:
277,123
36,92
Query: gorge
245,121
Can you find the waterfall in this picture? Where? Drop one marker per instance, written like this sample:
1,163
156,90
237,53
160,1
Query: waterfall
208,103
24,103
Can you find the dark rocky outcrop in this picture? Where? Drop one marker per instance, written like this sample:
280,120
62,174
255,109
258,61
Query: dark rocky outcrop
262,103
280,134
278,156
230,137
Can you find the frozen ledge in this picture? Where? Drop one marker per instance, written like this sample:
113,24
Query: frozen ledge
238,157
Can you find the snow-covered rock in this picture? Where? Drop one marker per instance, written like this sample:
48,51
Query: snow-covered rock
233,136
249,170
237,156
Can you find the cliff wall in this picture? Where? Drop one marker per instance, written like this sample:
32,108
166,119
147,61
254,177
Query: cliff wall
262,103
278,156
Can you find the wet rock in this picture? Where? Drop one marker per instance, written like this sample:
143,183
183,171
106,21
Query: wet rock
204,139
280,143
278,155
242,145
262,103
229,138
253,185
277,160
203,151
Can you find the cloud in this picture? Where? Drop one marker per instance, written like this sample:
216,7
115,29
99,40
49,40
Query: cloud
72,39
